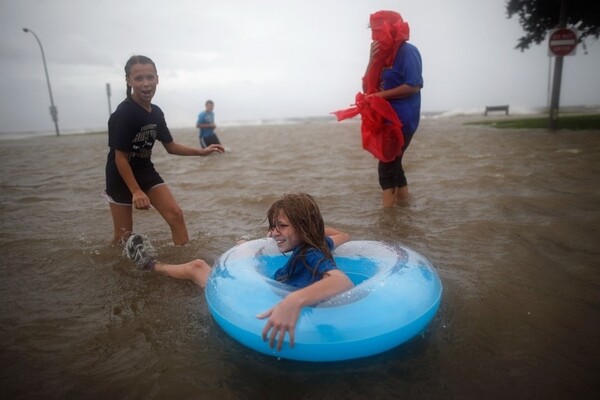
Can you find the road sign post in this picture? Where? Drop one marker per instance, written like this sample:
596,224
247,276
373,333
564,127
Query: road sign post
561,42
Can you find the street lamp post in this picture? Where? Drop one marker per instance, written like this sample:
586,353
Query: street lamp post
53,109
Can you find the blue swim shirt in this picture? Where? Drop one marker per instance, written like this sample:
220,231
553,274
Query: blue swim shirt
295,271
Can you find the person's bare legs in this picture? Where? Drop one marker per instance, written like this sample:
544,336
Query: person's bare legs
395,196
402,195
143,255
162,199
389,198
122,222
196,271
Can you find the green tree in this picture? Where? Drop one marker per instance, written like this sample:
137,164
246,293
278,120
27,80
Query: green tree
538,16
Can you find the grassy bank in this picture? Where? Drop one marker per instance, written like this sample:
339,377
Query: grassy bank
572,122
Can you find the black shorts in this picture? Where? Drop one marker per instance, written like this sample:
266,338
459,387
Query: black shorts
208,140
391,174
118,192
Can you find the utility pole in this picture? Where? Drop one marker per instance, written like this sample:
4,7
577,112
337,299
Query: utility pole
108,96
558,66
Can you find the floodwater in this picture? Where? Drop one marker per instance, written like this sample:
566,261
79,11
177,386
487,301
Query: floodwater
510,218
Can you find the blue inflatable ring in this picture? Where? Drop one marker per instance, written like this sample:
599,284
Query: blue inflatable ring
397,292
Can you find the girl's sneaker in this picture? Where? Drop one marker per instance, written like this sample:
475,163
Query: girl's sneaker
137,251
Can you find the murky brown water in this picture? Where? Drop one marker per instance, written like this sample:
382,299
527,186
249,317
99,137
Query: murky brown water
511,219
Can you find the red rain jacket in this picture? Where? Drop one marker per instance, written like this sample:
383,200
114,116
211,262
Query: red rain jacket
381,129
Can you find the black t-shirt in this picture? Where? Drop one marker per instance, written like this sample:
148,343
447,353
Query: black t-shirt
134,130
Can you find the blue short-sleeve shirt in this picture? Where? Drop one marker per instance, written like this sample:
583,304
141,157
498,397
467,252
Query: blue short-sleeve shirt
206,117
296,273
407,69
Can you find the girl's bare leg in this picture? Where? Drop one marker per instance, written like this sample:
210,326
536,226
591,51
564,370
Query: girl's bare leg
196,271
162,199
122,222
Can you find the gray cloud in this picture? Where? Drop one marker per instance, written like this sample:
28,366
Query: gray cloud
262,59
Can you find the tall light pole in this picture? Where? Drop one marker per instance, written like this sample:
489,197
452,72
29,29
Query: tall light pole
53,109
108,97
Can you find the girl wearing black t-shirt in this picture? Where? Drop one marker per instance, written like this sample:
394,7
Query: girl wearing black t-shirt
131,179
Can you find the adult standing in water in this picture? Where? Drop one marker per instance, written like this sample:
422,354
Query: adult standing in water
206,126
394,73
131,180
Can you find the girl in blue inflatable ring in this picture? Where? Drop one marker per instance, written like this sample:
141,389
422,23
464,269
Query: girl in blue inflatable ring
296,225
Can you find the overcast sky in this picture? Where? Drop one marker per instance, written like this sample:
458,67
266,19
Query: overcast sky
263,59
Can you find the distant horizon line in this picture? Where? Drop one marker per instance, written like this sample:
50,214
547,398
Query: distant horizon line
475,111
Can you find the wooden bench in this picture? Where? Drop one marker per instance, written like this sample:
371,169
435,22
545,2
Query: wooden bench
495,108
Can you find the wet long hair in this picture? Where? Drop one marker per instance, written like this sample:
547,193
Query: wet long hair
304,215
136,59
